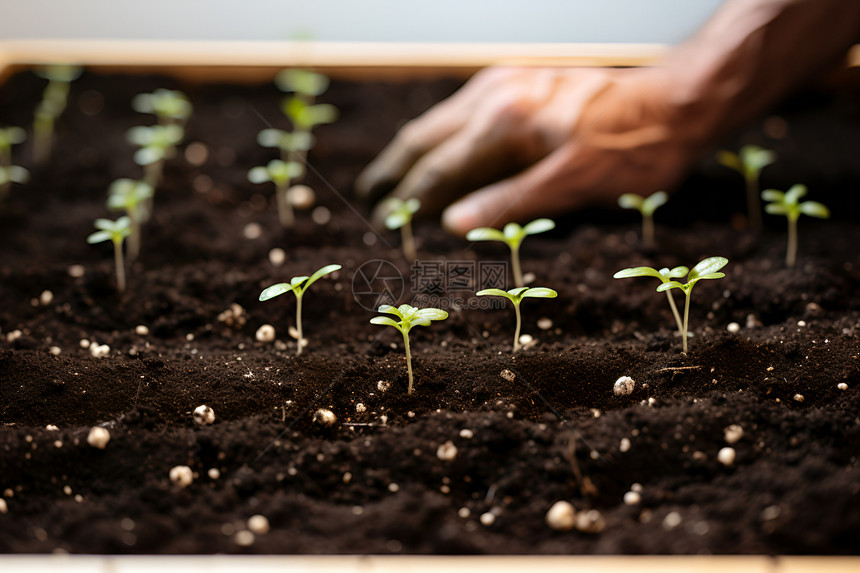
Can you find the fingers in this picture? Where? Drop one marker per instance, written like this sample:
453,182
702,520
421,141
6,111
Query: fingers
424,133
546,188
470,159
412,141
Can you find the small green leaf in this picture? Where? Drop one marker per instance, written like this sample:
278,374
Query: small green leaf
539,292
730,160
493,292
17,174
755,158
793,195
485,234
385,320
99,237
638,272
776,209
328,269
630,201
539,226
296,282
675,273
387,308
814,209
302,81
707,266
396,220
669,285
275,290
258,175
431,314
513,233
148,155
773,195
654,201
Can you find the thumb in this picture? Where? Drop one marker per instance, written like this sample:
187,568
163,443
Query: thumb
545,188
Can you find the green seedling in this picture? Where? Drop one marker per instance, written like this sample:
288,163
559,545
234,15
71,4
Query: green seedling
516,296
9,173
512,236
54,101
288,143
788,204
646,206
749,163
400,217
280,173
157,143
298,286
305,86
408,316
169,106
665,275
299,107
706,269
132,197
116,232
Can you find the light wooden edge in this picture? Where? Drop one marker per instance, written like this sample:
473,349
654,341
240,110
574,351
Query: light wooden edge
427,564
256,61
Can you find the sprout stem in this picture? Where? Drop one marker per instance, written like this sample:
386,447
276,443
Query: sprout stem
515,266
408,242
791,250
120,266
753,203
134,237
675,312
285,210
152,173
408,360
517,331
299,324
43,133
648,230
686,319
6,162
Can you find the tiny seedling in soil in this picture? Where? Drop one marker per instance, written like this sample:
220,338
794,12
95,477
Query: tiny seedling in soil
54,101
132,197
646,206
788,204
706,269
749,162
9,173
169,106
116,232
298,286
157,143
516,296
512,235
409,316
665,275
299,107
289,144
280,173
400,217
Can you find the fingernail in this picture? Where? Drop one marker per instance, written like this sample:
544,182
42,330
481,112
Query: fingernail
460,218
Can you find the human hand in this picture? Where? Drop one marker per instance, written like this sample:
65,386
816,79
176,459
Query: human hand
526,142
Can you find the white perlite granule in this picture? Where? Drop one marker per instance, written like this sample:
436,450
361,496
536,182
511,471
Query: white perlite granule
624,386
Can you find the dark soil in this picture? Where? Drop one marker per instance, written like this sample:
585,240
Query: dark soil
373,482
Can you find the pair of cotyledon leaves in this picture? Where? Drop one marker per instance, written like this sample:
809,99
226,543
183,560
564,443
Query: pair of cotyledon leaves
705,269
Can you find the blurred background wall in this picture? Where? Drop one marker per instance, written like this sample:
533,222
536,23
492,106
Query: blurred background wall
659,21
